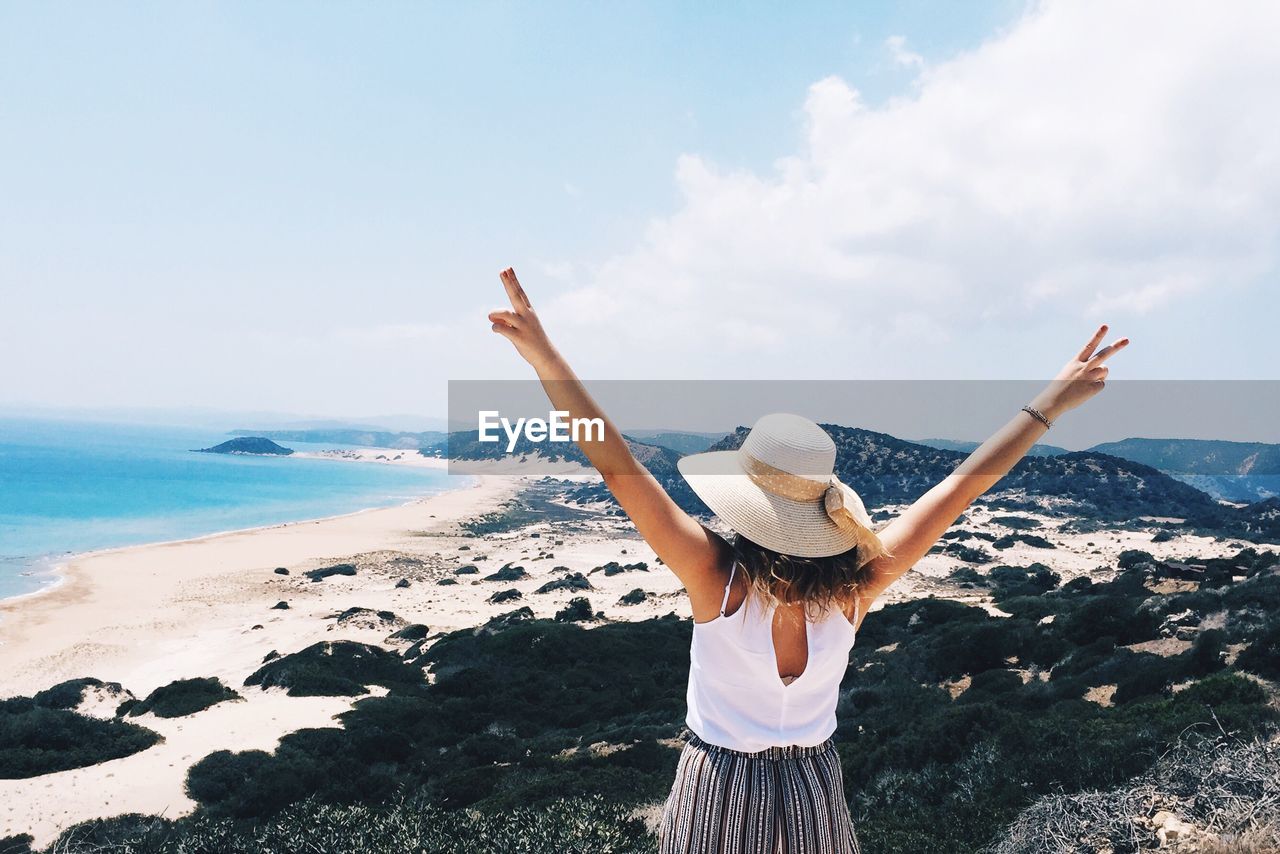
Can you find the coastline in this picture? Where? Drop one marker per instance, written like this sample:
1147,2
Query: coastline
59,564
87,581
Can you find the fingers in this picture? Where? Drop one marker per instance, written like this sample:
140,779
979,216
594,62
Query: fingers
515,293
1109,351
508,318
1093,342
505,331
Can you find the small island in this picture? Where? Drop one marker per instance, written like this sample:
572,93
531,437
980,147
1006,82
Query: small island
247,445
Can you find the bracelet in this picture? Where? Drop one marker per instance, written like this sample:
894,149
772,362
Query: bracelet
1038,415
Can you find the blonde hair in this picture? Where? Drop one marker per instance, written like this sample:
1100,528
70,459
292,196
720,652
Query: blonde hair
818,582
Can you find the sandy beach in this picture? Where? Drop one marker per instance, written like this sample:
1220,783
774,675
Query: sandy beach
145,616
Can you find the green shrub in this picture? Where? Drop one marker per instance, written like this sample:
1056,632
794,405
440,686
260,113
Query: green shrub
336,669
183,697
36,740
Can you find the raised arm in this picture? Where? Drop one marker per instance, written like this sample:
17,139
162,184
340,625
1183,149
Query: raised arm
910,536
692,552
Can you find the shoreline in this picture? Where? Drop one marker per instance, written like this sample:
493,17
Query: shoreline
99,591
60,563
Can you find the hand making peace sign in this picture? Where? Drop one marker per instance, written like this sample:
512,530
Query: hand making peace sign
1085,374
521,326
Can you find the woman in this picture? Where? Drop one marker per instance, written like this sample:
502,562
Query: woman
760,772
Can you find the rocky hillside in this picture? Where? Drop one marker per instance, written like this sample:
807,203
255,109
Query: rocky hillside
1234,471
1096,486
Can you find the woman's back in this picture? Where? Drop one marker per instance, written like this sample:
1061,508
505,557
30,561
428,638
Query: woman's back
737,697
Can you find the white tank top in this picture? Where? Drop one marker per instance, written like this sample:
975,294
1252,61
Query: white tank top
736,698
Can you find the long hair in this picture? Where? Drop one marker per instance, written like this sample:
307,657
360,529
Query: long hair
820,583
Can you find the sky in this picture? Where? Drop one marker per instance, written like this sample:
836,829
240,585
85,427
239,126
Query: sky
302,208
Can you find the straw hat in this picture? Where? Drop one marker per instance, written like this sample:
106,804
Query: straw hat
780,490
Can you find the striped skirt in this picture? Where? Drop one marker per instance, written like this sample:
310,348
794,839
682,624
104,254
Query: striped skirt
781,799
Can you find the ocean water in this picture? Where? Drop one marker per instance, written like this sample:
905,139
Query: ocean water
68,487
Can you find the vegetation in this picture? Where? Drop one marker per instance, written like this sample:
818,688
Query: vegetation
336,669
37,739
587,825
180,698
69,694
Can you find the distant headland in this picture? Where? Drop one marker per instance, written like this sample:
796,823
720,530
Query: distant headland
247,445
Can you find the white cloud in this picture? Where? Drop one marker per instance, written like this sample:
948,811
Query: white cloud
897,46
1098,156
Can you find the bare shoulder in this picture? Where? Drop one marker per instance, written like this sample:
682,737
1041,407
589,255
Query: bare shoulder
705,587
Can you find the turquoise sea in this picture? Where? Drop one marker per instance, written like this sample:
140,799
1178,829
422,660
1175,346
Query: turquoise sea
71,486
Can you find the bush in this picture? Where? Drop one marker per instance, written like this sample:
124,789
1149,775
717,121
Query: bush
1263,655
36,740
577,611
336,669
69,694
1010,581
1110,616
581,825
183,697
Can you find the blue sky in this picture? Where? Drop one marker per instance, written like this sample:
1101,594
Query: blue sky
303,207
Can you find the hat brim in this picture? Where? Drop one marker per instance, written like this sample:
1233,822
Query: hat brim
784,525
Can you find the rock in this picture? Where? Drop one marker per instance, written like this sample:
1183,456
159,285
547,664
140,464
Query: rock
508,595
469,569
576,581
614,568
404,582
327,571
414,632
367,618
1170,829
1171,624
446,581
280,606
280,570
635,597
508,573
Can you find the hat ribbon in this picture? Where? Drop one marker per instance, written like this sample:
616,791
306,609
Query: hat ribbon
841,503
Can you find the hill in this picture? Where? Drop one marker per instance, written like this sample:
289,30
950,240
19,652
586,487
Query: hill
1234,471
1037,450
679,441
247,445
1098,487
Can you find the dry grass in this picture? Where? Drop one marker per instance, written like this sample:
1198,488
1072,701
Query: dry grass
1228,790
